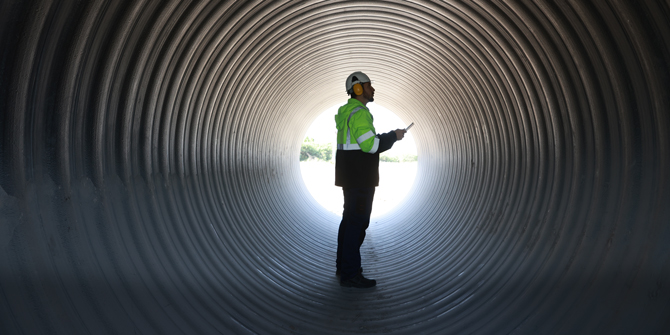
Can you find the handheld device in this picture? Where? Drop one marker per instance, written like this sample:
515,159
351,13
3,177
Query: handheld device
410,126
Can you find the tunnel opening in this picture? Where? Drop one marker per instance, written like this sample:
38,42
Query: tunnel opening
397,169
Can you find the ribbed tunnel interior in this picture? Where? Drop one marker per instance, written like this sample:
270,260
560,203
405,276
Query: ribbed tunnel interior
150,180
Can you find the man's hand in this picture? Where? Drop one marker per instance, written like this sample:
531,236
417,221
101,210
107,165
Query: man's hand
400,133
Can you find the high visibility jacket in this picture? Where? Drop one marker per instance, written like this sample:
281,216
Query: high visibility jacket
355,130
358,147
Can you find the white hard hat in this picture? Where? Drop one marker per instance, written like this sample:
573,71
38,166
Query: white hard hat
357,77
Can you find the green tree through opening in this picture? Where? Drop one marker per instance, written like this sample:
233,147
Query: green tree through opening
311,150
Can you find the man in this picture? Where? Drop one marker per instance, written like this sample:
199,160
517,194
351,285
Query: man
357,172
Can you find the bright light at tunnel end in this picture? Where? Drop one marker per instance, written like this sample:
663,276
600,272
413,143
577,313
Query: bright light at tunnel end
395,178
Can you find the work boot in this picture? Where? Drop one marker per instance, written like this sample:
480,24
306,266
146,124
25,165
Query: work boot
358,282
337,273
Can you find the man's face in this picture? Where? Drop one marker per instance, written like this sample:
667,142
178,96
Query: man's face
368,92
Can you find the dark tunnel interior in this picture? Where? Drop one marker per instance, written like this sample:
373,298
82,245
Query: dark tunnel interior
150,180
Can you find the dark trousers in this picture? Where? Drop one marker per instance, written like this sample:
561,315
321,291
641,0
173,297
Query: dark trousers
355,220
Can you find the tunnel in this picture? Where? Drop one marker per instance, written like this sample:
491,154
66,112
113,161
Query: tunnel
150,180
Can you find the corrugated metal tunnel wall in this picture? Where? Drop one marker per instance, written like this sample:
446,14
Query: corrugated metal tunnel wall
150,180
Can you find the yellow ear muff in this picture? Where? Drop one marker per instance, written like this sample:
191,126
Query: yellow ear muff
358,89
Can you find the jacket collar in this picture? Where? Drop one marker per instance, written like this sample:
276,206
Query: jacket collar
356,103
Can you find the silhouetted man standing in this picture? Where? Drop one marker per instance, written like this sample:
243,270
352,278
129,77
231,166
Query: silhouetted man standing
357,172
